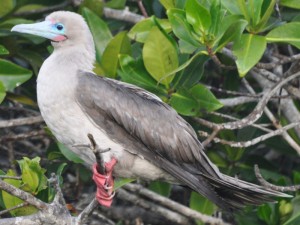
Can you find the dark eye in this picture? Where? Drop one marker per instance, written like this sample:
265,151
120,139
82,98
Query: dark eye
59,26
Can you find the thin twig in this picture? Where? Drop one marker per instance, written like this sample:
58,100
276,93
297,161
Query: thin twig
258,110
22,136
20,122
279,62
10,177
174,206
268,185
13,208
254,141
142,8
25,196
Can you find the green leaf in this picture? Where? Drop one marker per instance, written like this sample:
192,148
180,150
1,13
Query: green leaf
266,15
181,28
12,75
120,182
139,32
295,4
205,97
254,9
231,6
116,4
248,50
6,7
134,72
100,31
168,4
32,175
11,201
68,153
201,204
2,92
160,56
233,32
3,50
295,217
287,33
264,212
192,72
161,188
94,5
244,9
120,44
198,16
184,103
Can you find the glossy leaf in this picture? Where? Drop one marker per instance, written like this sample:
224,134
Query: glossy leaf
120,44
2,92
11,201
134,72
287,33
264,212
201,204
168,4
248,51
116,4
295,4
12,75
295,217
243,9
69,154
198,16
139,32
231,6
33,176
192,72
6,7
181,28
120,182
160,187
233,32
3,50
21,99
266,15
254,9
205,97
100,31
184,103
160,56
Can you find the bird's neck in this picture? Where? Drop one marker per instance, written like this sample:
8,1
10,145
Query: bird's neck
73,58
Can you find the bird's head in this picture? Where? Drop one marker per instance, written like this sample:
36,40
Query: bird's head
63,28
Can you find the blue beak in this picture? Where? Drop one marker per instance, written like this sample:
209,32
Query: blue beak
44,29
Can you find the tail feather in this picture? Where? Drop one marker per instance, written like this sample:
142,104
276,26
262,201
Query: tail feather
238,193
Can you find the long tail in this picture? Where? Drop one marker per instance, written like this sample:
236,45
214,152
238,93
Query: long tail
238,193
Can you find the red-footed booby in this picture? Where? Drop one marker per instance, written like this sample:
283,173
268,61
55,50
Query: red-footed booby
146,138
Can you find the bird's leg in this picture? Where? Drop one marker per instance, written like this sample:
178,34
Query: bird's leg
102,174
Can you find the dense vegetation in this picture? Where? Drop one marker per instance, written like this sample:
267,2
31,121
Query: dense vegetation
230,67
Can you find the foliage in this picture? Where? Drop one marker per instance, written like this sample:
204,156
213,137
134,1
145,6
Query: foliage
171,55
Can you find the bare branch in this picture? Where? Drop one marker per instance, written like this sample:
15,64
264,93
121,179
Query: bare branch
254,141
25,196
124,15
20,122
174,206
268,185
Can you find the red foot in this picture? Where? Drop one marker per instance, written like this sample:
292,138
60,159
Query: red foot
105,183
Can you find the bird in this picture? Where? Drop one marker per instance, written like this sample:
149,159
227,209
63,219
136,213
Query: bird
142,136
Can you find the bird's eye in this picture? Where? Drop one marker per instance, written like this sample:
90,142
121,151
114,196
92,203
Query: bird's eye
59,26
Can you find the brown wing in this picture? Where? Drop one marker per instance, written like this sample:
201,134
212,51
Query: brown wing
145,117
